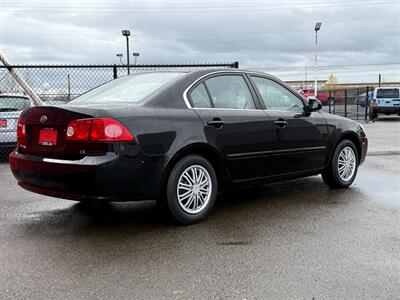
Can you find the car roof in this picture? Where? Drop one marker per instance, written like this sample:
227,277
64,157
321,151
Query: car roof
9,95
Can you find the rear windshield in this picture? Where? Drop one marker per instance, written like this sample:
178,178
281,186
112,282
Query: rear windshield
14,103
127,89
387,93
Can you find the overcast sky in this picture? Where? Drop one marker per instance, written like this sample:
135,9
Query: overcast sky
358,39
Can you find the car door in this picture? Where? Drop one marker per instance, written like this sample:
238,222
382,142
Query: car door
234,124
300,137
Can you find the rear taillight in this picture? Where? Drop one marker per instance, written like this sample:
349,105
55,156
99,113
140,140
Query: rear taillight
373,103
97,130
21,130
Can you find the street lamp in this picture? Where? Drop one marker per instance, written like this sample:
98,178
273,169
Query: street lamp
317,28
127,33
135,55
120,55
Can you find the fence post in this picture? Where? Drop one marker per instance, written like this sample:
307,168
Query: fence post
366,104
115,72
329,102
345,103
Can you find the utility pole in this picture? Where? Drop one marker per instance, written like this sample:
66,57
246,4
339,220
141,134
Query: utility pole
305,76
127,33
317,28
69,87
380,80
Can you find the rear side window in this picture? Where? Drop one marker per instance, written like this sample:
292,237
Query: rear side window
387,93
230,91
132,88
200,97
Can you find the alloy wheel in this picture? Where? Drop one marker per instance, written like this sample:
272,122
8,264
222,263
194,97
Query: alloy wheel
194,189
346,164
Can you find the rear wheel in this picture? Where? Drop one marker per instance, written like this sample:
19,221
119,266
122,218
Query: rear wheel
342,169
191,190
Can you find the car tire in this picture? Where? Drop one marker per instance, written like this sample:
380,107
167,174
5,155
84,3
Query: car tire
191,190
342,169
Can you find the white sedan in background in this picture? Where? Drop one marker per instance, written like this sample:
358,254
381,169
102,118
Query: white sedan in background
11,106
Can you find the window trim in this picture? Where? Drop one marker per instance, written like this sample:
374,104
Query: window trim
202,79
271,78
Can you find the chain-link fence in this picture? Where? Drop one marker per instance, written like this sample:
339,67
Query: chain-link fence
57,84
350,103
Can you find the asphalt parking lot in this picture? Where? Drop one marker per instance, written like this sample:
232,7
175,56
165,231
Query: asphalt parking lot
295,239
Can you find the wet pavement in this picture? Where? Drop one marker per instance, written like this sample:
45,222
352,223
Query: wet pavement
295,239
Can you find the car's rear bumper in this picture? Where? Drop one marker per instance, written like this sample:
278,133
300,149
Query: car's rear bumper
111,177
7,137
387,109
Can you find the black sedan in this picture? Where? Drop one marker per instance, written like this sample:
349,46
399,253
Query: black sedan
179,138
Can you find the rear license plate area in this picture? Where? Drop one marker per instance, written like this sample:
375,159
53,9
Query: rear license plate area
3,123
48,137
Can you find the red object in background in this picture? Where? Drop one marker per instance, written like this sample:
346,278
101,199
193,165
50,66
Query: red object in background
3,123
322,96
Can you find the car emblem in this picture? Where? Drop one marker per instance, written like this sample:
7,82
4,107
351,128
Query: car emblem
43,119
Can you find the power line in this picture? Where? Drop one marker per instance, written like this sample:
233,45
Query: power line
200,33
150,10
325,66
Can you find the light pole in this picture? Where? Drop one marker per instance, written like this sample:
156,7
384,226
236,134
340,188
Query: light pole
127,33
317,28
120,55
135,55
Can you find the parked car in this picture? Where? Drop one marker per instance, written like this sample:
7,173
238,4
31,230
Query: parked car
180,137
11,106
360,99
385,100
323,96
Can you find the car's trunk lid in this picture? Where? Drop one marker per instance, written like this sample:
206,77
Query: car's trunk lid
46,132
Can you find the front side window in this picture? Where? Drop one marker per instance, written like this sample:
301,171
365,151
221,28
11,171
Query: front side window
276,97
133,88
230,91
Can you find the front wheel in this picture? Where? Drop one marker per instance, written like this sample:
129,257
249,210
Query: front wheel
342,169
191,190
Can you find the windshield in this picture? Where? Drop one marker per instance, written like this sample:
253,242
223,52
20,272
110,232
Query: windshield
14,103
127,89
387,93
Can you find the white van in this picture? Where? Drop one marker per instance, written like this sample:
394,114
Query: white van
385,100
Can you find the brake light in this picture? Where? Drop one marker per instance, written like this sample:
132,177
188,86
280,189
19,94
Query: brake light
97,130
21,130
373,103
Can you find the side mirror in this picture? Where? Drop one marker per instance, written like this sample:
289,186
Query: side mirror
314,104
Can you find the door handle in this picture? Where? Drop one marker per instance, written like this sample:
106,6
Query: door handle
216,122
281,123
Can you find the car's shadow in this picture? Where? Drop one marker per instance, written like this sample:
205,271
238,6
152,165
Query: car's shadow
268,202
